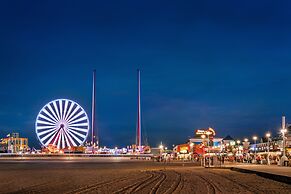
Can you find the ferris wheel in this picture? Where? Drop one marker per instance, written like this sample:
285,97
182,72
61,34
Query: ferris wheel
62,123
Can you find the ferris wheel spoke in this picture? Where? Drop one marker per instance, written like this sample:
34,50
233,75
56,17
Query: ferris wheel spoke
49,115
65,110
80,120
40,130
59,140
56,109
79,134
66,139
72,114
45,118
61,108
69,111
79,125
53,112
63,140
45,123
78,129
50,135
76,116
71,140
43,127
51,139
46,131
56,138
76,138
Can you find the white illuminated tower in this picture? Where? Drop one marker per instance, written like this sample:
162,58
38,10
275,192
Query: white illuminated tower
138,123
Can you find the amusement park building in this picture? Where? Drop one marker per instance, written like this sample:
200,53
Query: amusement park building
13,143
197,144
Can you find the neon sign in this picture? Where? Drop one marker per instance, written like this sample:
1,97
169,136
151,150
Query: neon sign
208,131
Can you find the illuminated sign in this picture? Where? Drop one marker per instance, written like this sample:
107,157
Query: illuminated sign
183,148
208,131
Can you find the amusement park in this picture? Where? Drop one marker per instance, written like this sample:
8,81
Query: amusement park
137,97
63,128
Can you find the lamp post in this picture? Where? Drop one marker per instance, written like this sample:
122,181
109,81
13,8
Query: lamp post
255,139
268,135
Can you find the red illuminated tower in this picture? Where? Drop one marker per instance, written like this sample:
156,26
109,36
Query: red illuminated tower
138,123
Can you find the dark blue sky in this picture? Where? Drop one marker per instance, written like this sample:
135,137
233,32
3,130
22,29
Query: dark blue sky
224,64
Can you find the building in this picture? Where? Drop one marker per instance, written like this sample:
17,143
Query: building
228,141
275,146
204,141
205,136
13,144
229,146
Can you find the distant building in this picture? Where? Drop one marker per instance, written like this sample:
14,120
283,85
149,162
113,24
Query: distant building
13,143
228,141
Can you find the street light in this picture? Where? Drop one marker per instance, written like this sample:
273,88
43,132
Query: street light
246,140
255,139
268,135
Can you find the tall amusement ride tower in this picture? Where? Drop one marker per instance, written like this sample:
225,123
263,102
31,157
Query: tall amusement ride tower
94,137
138,123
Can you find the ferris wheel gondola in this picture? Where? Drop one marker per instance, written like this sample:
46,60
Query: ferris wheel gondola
62,123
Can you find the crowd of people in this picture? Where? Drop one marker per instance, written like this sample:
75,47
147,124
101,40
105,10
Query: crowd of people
264,159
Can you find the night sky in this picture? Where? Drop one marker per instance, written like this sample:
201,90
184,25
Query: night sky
224,64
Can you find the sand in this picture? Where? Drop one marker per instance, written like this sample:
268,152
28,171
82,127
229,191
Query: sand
77,176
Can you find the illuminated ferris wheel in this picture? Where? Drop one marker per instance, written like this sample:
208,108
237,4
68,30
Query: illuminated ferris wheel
62,123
